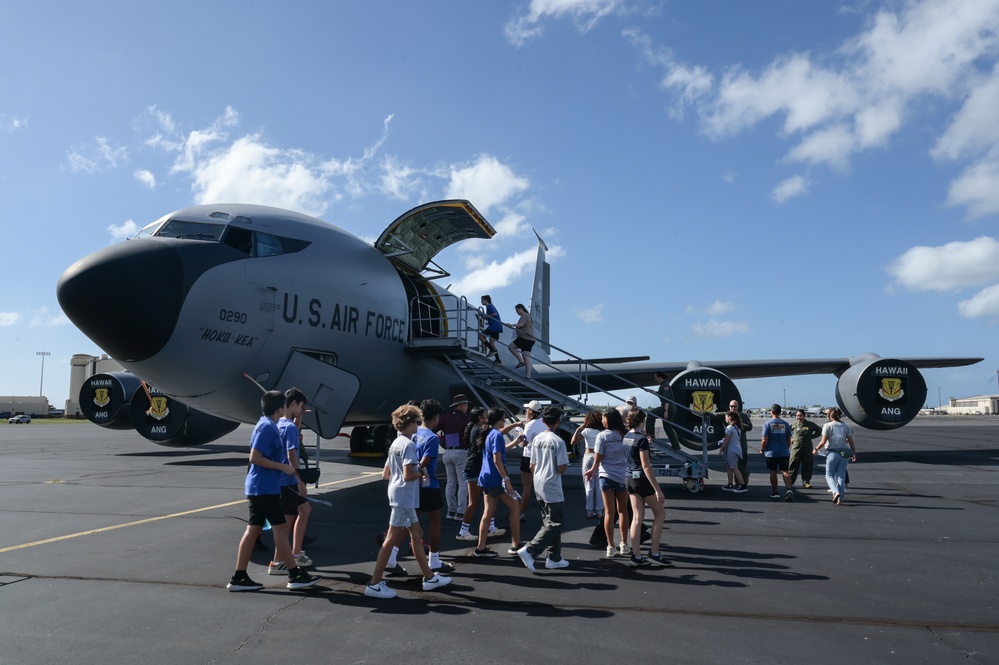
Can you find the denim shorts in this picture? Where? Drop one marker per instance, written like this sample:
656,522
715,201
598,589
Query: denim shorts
608,485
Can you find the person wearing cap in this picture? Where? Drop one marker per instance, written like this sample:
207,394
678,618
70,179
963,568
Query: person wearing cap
630,403
534,426
452,428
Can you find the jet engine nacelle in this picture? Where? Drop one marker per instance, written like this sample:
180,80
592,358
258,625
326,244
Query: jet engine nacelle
165,421
105,399
881,393
702,390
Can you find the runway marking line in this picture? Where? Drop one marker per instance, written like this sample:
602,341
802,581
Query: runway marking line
366,474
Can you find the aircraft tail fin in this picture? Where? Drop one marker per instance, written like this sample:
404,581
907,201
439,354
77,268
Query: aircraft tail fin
540,297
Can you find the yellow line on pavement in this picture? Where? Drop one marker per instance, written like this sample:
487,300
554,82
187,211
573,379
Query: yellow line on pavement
366,474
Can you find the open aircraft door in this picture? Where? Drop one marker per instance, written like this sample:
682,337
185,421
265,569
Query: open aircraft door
330,391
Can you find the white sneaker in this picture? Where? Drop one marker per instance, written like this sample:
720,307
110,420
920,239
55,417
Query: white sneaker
277,568
551,564
496,532
624,549
380,590
466,536
611,552
527,558
435,582
302,560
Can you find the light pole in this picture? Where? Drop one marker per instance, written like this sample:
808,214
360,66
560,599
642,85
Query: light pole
939,401
41,381
785,398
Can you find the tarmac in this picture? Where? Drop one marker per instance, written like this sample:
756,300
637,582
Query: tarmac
114,550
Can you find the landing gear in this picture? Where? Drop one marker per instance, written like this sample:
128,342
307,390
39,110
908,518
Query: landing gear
693,485
370,441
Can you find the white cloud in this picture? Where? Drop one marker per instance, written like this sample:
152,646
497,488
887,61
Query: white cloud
788,189
126,230
585,14
43,318
9,318
487,183
495,274
145,177
978,186
594,314
856,98
948,267
12,124
720,307
974,126
984,304
715,328
99,157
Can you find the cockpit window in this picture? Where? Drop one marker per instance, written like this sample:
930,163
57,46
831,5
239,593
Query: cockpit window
148,230
257,243
176,228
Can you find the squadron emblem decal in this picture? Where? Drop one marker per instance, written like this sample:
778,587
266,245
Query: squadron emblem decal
102,397
891,389
703,401
158,407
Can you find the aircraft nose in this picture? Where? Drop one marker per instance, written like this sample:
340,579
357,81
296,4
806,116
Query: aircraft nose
126,298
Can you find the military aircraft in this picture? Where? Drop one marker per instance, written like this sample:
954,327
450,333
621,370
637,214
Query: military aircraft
208,305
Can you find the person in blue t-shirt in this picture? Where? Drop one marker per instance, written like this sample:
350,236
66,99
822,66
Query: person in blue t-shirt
776,446
491,332
428,446
293,490
268,463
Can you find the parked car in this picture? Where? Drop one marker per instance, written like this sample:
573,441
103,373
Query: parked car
18,420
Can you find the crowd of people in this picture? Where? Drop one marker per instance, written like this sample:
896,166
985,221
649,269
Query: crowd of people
619,481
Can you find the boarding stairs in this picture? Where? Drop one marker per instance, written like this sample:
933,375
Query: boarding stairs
493,384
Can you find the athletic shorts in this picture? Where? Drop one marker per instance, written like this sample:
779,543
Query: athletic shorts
608,485
490,333
640,486
494,491
778,463
430,499
403,517
265,508
523,344
291,499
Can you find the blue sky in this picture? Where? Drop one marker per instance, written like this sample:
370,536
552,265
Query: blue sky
717,180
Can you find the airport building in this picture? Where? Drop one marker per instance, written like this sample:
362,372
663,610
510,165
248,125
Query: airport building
82,367
979,405
36,407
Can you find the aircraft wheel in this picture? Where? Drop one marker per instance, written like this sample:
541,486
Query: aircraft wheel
691,485
381,439
359,440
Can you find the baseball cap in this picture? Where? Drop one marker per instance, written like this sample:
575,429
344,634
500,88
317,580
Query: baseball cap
534,405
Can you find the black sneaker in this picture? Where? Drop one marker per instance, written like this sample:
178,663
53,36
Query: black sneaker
243,583
775,496
789,496
484,553
444,567
658,559
739,489
637,561
302,580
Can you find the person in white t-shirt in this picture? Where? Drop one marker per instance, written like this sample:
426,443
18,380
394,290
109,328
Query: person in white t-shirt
549,461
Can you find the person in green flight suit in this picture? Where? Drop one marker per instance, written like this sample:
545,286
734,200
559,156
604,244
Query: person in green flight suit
802,433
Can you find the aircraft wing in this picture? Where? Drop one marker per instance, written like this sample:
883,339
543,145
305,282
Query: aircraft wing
617,376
